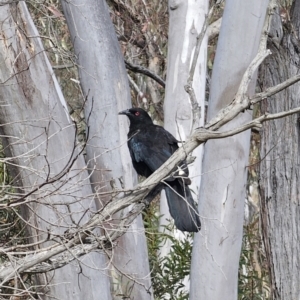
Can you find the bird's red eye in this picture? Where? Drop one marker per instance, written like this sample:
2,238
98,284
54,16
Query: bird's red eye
137,113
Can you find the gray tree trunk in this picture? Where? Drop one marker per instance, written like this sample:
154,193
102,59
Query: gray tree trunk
103,79
216,252
279,168
40,138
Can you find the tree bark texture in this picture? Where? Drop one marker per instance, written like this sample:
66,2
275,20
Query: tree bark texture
216,251
41,140
279,167
104,81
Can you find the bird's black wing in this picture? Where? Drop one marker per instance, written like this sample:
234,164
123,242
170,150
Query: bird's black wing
150,147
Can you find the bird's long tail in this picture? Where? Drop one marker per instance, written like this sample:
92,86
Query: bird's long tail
182,207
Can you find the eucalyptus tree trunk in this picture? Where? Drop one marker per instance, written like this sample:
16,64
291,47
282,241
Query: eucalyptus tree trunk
216,251
279,167
104,82
47,167
186,19
185,24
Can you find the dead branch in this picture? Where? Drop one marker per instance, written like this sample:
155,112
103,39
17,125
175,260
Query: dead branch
144,71
274,90
241,101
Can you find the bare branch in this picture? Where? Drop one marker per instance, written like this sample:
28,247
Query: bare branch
78,243
74,246
274,90
196,109
200,38
144,71
241,101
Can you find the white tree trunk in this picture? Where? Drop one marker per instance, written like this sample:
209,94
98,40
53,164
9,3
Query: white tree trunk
103,79
40,137
185,24
215,261
186,19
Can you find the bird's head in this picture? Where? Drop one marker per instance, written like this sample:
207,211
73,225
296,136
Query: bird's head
137,116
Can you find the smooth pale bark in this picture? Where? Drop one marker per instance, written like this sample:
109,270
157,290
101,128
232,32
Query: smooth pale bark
186,20
103,79
40,137
215,261
185,24
279,168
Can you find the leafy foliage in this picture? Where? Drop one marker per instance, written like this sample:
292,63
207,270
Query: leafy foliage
167,272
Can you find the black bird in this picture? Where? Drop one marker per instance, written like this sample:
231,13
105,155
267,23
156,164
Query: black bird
150,146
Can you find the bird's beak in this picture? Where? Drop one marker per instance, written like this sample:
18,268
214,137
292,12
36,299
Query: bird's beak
124,112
